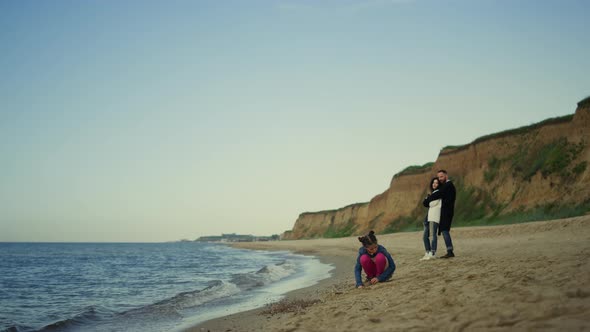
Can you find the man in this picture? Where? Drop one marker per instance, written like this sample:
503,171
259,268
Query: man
447,195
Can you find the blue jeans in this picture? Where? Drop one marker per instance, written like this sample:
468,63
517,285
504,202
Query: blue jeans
448,241
426,236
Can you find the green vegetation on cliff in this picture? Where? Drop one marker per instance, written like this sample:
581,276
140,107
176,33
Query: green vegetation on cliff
584,102
556,157
517,168
553,158
345,231
538,213
510,132
478,206
405,223
415,169
353,205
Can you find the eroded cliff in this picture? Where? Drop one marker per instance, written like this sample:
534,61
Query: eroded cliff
525,173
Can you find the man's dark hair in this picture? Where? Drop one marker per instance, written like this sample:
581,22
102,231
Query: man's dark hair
442,171
368,239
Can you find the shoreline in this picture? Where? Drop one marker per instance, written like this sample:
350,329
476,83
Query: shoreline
526,276
255,320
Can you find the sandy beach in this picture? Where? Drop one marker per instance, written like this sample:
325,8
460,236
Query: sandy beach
531,276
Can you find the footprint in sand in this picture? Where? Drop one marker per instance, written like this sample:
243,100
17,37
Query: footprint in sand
578,293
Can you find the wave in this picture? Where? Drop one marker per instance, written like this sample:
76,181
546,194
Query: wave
92,317
264,276
100,318
88,316
216,289
18,328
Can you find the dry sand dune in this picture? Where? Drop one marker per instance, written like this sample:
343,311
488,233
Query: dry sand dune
532,276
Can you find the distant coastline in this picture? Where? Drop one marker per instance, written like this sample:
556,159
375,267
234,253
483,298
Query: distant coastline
233,237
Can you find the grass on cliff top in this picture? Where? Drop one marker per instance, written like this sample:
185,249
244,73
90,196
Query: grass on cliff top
510,132
335,210
584,102
415,169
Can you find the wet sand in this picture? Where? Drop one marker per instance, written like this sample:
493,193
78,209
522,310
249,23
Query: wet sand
531,276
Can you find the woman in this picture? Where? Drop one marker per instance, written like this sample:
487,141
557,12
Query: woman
374,259
431,222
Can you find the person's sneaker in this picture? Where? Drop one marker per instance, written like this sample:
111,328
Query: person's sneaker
432,255
426,256
449,254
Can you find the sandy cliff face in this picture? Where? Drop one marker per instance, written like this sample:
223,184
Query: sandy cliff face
534,167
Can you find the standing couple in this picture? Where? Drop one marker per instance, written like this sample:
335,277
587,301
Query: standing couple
441,206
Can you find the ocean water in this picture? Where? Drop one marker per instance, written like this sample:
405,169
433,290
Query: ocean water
140,286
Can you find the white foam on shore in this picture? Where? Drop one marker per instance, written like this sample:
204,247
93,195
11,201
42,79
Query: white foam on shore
310,272
314,271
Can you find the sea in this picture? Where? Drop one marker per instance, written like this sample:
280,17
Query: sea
141,286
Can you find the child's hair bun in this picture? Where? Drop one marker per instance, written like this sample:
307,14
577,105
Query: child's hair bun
368,239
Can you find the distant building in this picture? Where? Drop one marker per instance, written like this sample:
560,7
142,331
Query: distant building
209,239
233,237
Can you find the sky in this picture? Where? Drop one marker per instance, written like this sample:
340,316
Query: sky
148,121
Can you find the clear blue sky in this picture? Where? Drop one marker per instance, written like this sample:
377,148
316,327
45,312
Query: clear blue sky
161,120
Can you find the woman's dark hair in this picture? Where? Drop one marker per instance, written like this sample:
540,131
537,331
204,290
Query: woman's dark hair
432,182
369,239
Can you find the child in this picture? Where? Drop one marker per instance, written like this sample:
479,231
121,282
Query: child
431,222
374,259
